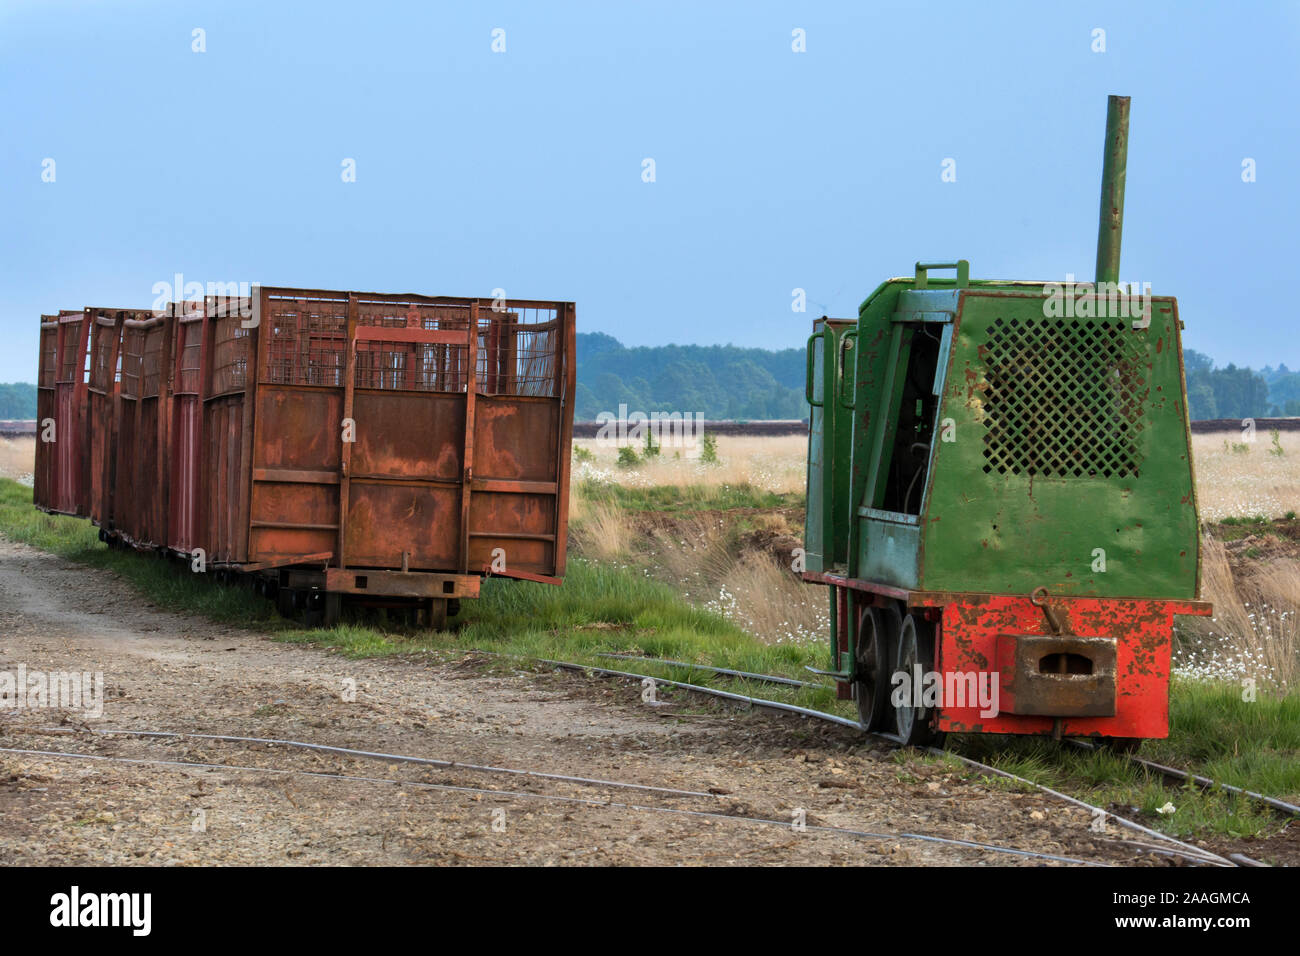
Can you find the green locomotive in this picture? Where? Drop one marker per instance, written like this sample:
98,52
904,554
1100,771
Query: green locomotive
1001,498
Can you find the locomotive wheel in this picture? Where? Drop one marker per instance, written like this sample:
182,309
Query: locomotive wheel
872,657
285,604
331,608
915,647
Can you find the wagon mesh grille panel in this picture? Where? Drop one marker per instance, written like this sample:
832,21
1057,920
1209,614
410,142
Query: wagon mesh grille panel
49,345
229,355
1063,398
133,343
517,347
103,364
68,361
151,363
517,351
308,342
412,366
187,374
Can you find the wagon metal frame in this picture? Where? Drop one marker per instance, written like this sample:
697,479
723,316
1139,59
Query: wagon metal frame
382,445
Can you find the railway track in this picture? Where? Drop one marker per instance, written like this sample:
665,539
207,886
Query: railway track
586,782
1187,850
648,798
1204,783
1171,773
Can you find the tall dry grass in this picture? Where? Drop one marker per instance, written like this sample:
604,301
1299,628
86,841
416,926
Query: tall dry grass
770,602
18,459
704,555
601,531
775,464
1237,478
1255,630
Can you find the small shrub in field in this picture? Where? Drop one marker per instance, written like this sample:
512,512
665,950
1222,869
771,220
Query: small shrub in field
582,454
627,457
651,449
1277,450
709,449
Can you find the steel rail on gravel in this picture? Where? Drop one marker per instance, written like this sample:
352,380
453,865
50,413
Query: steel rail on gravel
765,678
1189,850
1204,783
523,794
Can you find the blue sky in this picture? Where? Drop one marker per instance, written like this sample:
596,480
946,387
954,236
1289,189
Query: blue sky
522,170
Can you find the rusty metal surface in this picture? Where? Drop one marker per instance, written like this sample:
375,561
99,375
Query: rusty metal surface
185,475
857,584
979,635
43,490
63,465
198,430
438,475
140,487
103,411
1057,675
397,584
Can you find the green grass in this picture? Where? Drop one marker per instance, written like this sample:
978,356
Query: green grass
600,608
1252,745
687,497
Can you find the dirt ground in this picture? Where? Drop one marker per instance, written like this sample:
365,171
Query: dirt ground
164,672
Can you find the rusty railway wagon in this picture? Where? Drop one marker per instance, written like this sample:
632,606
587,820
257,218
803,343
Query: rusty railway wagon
62,464
1001,499
395,448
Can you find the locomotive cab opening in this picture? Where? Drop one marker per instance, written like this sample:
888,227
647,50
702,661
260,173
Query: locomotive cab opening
913,443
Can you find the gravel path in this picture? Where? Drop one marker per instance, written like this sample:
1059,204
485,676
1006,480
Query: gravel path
166,672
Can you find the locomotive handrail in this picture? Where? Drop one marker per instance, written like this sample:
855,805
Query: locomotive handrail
852,334
961,265
808,379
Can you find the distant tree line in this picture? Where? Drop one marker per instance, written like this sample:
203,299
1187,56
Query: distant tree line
730,382
1232,392
717,381
17,400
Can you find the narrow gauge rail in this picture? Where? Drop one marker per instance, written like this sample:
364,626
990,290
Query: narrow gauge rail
665,792
1204,783
1187,849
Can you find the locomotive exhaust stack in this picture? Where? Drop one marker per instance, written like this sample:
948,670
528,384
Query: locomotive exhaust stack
1001,490
1110,225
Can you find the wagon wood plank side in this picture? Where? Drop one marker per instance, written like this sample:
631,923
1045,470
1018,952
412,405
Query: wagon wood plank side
567,354
252,373
467,473
349,401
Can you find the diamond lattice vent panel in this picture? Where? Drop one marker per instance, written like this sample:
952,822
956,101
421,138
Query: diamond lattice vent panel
1063,398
